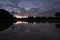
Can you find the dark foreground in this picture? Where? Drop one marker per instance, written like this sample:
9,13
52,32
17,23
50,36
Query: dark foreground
12,30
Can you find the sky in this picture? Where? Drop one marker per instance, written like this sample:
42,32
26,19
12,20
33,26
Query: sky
32,7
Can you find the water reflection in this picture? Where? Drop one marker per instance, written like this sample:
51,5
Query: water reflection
5,24
20,22
57,25
24,22
31,31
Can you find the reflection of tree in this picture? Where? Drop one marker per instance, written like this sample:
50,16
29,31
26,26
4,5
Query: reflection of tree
57,26
5,24
6,19
43,19
37,20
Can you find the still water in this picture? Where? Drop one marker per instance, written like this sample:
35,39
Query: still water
31,31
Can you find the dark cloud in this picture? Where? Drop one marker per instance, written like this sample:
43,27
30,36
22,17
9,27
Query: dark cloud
45,6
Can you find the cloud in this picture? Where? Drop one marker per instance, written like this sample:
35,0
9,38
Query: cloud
44,6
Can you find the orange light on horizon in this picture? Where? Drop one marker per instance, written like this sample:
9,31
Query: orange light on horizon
20,22
20,16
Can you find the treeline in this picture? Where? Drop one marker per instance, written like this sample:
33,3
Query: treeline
43,19
6,15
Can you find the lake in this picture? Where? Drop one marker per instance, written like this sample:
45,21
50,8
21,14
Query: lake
31,31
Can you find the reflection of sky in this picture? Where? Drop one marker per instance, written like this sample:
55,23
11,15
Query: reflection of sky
31,31
45,6
32,27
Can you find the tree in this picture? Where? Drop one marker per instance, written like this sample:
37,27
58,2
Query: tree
57,14
5,14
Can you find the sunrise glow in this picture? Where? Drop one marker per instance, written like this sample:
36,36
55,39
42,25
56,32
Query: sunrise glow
20,16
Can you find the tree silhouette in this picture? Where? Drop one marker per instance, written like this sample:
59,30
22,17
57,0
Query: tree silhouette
5,14
57,14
